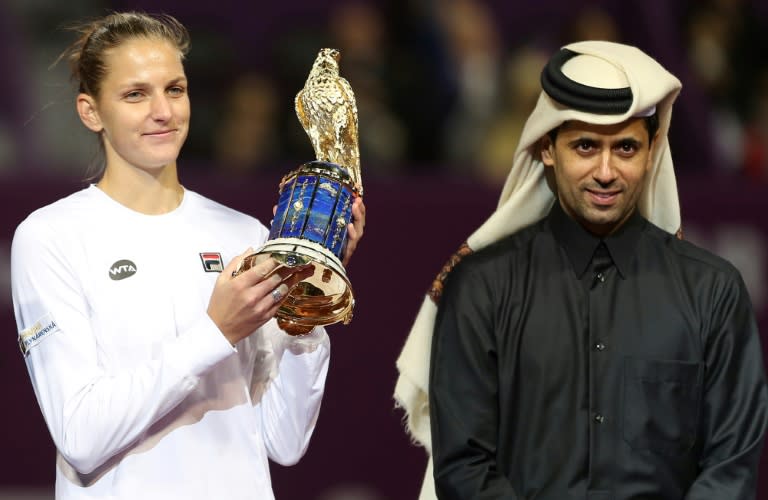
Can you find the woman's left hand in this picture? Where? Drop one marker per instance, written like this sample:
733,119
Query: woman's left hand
355,228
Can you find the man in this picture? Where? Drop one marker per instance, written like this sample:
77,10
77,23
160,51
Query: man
581,350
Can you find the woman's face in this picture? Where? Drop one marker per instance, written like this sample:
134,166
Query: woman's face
143,107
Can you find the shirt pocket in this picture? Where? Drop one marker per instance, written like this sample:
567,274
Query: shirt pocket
661,404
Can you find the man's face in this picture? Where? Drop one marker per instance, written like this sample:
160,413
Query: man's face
599,171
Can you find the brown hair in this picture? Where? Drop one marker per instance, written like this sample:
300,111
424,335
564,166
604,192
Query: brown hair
86,56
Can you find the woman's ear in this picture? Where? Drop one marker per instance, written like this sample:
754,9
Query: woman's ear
89,115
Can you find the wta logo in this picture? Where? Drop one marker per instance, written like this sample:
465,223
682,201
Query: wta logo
122,269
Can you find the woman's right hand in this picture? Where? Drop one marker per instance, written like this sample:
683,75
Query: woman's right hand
241,304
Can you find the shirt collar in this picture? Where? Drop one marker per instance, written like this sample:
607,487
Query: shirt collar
579,244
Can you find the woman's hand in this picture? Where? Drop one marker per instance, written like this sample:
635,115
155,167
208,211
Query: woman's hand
355,228
241,304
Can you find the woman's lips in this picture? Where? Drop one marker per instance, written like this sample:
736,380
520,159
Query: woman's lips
160,133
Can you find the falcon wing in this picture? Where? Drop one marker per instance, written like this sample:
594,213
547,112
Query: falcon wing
301,113
349,98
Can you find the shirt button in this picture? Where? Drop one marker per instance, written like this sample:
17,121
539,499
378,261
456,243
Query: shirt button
599,346
599,418
601,277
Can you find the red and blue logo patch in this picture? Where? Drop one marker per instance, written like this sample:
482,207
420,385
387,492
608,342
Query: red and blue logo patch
212,262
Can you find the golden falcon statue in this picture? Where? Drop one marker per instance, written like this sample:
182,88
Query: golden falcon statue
326,109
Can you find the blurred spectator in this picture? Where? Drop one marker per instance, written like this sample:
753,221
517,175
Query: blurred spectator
350,491
725,42
756,133
246,139
13,140
474,44
593,22
358,30
709,57
520,91
423,80
46,130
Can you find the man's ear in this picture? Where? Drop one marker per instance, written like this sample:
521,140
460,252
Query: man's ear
652,150
89,115
546,146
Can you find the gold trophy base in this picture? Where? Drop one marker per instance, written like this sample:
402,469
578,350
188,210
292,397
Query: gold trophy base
324,298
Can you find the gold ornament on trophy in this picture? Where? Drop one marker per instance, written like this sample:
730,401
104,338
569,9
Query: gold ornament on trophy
315,203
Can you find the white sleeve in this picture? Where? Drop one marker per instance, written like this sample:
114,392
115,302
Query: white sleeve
290,406
93,411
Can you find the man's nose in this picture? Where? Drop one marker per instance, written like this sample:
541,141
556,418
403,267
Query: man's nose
605,173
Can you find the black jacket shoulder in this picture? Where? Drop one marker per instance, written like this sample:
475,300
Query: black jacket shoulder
502,250
691,253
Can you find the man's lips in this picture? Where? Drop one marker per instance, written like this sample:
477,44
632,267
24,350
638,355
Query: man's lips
599,197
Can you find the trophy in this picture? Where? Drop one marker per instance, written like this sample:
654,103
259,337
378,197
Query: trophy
314,203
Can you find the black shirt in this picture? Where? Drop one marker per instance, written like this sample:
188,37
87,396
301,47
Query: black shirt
569,367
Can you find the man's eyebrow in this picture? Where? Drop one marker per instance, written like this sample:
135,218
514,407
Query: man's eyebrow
628,140
583,138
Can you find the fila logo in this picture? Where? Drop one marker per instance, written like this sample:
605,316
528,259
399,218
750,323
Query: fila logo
122,269
212,262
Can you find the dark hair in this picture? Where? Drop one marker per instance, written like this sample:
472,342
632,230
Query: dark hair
651,125
86,56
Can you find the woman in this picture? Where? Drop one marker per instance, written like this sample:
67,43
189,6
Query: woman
159,374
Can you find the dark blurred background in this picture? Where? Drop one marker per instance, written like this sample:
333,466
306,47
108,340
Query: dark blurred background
443,89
